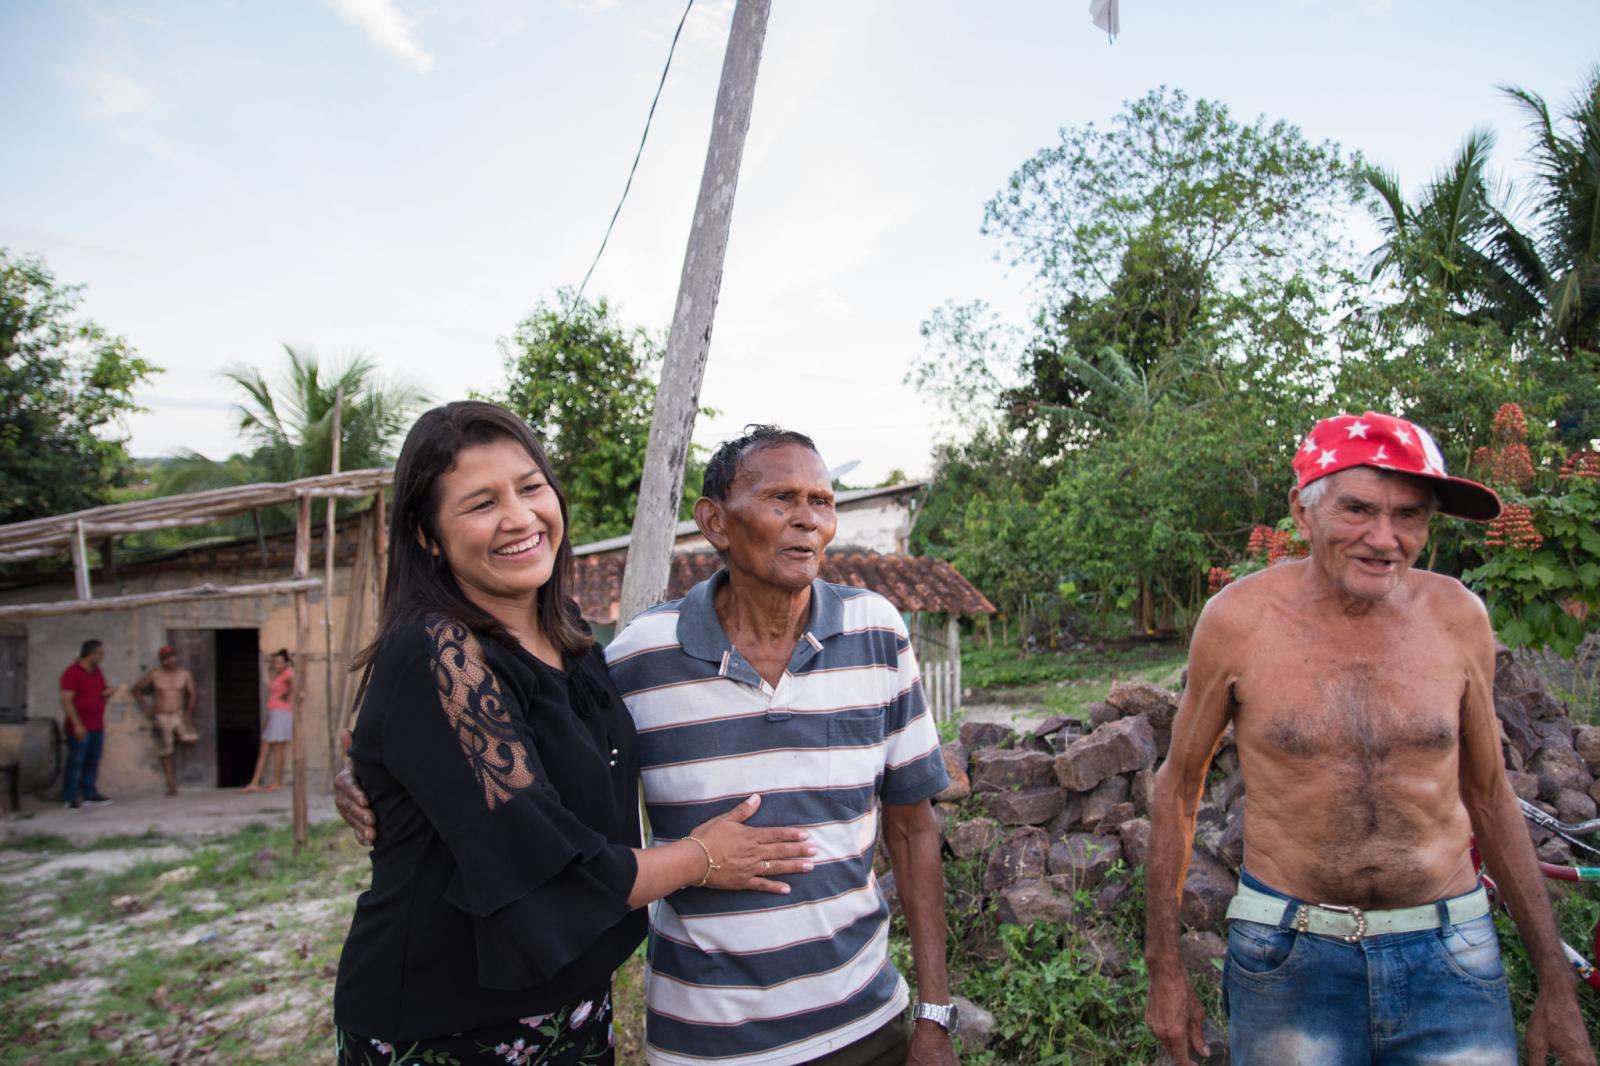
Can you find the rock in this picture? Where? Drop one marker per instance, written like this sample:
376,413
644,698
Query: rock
1518,729
1211,814
1050,726
1026,902
974,1025
1111,824
1104,796
1559,768
973,837
177,876
1004,769
1230,845
1526,786
1101,713
976,735
1142,788
1594,792
1135,837
1105,952
1143,698
1229,792
1026,806
1556,731
1554,851
1206,892
1019,857
891,891
1112,896
1202,952
263,864
1151,702
1586,741
1070,817
1540,705
1083,859
1574,806
1115,748
955,764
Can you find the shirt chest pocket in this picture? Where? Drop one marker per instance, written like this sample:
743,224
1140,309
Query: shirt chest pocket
855,759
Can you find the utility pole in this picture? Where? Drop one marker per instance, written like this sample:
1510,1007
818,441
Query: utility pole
689,342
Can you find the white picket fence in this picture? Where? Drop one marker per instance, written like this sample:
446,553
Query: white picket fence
938,649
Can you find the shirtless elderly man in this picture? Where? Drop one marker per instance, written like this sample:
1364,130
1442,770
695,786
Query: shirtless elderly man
1360,692
167,695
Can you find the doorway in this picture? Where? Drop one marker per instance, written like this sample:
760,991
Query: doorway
226,665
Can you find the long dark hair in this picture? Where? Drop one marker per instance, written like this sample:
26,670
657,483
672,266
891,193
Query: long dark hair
418,584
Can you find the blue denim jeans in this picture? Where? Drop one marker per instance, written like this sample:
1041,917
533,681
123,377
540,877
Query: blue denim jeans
1435,997
83,765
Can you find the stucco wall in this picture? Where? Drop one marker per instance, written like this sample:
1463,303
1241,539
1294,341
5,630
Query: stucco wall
130,764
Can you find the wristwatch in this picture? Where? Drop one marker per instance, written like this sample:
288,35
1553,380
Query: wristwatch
943,1014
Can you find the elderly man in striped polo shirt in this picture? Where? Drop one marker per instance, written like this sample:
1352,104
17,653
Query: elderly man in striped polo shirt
765,679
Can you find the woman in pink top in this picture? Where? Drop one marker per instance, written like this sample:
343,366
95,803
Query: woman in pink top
279,726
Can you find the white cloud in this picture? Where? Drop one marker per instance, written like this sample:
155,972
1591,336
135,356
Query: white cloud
387,27
110,95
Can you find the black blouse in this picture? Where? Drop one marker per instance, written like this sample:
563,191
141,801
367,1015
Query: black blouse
506,795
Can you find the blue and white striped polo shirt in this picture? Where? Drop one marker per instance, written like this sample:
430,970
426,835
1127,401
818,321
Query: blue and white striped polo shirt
752,977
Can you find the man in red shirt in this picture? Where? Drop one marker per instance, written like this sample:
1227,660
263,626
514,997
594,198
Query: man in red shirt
83,704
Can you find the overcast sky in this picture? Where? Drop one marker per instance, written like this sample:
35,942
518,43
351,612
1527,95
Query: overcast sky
409,178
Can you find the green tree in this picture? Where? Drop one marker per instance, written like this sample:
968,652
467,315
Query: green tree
585,384
65,383
1188,285
290,423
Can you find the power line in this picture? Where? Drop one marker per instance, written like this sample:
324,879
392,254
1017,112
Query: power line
633,169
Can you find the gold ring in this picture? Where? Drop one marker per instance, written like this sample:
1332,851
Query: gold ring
766,865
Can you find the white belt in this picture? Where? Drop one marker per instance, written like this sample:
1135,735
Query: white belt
1352,923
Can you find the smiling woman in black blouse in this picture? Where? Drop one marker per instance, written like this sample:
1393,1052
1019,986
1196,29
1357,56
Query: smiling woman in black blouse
501,763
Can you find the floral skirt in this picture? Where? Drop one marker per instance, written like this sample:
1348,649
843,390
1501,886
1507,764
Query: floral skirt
578,1034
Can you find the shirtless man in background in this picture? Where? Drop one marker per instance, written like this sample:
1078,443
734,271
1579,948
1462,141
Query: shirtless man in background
1360,692
171,709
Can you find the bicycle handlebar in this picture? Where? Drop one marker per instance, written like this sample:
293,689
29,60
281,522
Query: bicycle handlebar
1551,822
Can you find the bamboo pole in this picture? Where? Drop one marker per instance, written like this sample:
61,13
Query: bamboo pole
80,562
302,637
329,548
208,591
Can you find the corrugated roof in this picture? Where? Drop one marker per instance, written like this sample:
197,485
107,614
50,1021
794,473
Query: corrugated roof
911,583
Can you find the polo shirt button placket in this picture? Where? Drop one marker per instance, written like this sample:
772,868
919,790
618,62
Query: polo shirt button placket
613,756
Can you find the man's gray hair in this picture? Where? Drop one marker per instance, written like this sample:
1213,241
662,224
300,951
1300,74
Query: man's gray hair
1314,493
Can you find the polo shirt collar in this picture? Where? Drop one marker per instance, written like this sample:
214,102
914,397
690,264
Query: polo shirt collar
700,632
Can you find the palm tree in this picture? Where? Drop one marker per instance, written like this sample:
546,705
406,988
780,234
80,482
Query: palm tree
1453,248
1564,258
291,425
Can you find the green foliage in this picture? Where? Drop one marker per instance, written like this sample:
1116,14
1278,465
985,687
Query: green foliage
585,384
1548,595
64,385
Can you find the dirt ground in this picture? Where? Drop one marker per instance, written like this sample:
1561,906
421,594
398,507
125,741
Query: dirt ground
183,930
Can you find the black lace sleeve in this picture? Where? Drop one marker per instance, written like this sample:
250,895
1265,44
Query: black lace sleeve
541,882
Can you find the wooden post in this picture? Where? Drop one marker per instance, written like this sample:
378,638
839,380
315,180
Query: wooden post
302,638
329,548
644,582
380,548
261,539
355,604
108,561
953,642
80,562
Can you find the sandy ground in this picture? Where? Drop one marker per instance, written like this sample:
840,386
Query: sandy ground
194,813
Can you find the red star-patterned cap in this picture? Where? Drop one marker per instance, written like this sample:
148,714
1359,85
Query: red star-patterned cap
1390,443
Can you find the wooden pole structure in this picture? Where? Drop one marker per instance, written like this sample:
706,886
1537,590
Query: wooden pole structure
208,591
302,638
329,533
80,562
689,342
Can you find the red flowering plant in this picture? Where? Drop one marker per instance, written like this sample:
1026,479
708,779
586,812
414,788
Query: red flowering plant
1540,574
1267,545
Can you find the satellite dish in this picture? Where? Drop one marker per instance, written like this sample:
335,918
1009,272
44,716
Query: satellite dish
838,472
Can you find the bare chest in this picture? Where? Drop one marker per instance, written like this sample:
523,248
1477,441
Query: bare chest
1362,701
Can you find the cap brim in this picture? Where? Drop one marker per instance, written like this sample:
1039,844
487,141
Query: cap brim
1466,499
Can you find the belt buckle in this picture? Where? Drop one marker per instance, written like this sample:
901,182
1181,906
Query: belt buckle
1361,921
